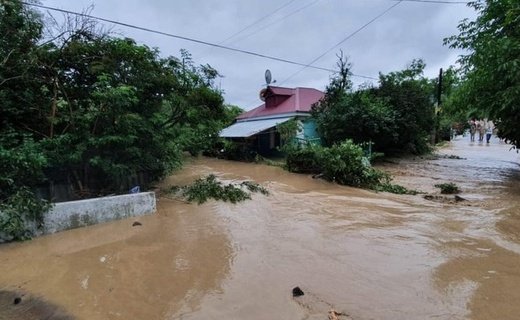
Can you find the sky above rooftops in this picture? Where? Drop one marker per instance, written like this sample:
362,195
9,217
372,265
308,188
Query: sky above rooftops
298,30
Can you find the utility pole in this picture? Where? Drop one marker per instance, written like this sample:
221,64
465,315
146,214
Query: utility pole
437,109
439,89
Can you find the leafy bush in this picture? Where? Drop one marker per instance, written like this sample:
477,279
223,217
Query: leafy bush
448,188
21,167
304,160
19,213
209,187
344,163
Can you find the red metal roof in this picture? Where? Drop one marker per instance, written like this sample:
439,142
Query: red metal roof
281,100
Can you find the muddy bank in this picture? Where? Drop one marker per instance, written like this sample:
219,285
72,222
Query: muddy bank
363,254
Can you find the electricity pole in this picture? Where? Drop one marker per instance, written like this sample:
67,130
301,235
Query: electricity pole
437,109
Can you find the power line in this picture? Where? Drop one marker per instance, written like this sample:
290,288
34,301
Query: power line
257,21
171,35
309,65
279,20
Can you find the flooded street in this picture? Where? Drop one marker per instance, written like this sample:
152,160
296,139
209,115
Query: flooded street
369,255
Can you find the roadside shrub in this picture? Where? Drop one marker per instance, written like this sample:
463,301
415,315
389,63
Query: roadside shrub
344,163
20,214
304,160
448,188
22,168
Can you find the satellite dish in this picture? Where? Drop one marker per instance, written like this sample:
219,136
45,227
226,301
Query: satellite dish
268,77
262,93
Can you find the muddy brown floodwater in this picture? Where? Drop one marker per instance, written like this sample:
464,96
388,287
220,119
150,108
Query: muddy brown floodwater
364,254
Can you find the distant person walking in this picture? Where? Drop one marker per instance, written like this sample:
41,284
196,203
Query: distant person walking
472,129
481,130
490,126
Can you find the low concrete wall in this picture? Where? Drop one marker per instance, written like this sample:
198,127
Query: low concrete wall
75,214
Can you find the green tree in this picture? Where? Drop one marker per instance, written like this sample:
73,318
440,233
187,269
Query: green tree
120,110
357,115
491,68
92,111
20,94
21,160
397,115
451,116
360,116
410,95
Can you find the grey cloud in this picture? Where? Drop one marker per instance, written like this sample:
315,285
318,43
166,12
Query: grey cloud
410,30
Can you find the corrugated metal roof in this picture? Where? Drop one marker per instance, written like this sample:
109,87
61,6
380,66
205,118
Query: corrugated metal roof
249,128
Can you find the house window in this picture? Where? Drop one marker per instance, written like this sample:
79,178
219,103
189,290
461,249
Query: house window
272,144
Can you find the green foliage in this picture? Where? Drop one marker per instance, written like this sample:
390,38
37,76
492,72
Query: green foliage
304,159
360,116
19,212
20,93
491,67
448,188
209,187
452,118
93,111
410,95
104,108
396,116
22,167
21,163
344,163
231,112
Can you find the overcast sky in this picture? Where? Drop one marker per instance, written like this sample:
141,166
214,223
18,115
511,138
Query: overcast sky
297,30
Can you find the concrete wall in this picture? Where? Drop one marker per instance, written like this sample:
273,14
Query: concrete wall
75,214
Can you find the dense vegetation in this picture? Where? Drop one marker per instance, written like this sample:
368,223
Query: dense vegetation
490,71
93,112
345,163
396,116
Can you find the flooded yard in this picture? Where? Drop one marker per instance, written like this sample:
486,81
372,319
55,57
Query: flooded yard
365,254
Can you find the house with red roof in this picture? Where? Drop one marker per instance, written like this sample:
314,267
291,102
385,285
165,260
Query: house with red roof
257,127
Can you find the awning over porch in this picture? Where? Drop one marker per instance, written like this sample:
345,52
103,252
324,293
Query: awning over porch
246,129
